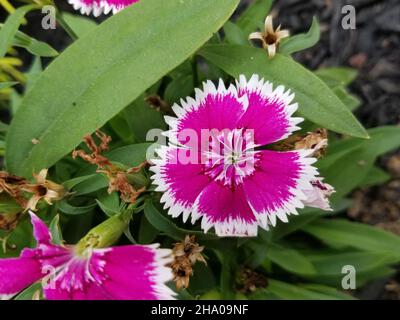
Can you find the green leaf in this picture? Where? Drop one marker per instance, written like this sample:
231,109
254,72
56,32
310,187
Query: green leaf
28,293
253,17
356,157
374,177
337,76
67,208
33,73
288,291
316,101
5,85
289,259
11,26
356,235
141,118
301,41
329,265
163,224
329,291
305,216
109,203
147,233
350,101
235,35
34,46
55,230
80,25
83,91
180,87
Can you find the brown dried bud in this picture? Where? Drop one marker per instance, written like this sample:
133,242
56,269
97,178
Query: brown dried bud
186,253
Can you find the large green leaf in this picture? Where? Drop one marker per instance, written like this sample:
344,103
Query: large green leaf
105,70
316,101
80,25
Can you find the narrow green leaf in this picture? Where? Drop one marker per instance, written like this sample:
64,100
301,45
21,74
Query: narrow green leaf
337,76
374,177
55,230
11,26
329,265
350,101
288,291
5,85
356,157
163,224
301,41
109,203
253,17
235,35
329,291
80,92
28,293
34,46
67,208
147,233
316,101
356,235
289,259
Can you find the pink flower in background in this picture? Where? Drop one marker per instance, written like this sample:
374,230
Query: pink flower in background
132,272
229,178
97,7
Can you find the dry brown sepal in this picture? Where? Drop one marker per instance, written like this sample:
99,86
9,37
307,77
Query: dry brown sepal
118,178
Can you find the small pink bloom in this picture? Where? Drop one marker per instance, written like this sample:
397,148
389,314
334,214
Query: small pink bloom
97,7
132,272
227,177
318,197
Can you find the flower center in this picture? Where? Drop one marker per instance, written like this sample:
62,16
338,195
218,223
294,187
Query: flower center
230,156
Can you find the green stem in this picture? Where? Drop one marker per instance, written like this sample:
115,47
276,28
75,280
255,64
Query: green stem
228,264
65,26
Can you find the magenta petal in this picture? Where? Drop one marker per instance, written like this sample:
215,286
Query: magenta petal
182,183
119,273
138,273
17,274
213,109
75,282
269,112
40,230
226,209
278,184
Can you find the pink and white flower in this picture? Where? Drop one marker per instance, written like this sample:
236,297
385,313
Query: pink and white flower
131,272
98,7
229,178
318,197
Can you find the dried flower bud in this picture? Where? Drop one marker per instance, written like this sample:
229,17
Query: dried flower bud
186,253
